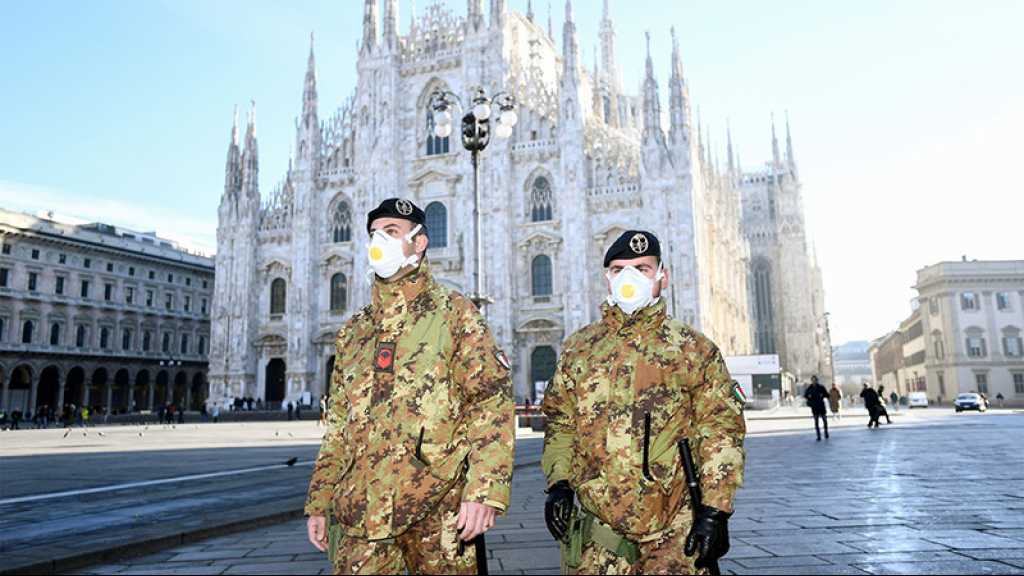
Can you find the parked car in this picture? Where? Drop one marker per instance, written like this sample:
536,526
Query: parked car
970,401
917,400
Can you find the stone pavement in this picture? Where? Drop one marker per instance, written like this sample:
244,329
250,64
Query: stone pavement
943,495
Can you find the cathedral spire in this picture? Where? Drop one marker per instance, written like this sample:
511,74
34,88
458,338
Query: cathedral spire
775,144
652,103
728,139
790,158
571,105
551,33
678,98
369,25
596,100
251,158
309,97
497,12
609,65
475,14
391,23
529,10
233,165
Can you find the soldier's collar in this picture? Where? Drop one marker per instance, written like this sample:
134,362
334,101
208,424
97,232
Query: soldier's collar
407,286
647,315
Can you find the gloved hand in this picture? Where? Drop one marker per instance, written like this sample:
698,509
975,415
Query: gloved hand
558,508
709,537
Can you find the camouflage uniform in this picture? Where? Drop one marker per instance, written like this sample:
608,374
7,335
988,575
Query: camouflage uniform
420,419
613,376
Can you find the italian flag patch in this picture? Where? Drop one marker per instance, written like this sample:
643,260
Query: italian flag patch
737,393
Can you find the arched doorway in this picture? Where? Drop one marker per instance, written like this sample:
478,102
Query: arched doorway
160,396
180,389
120,401
542,368
141,394
328,375
74,388
20,388
200,392
49,388
98,388
274,389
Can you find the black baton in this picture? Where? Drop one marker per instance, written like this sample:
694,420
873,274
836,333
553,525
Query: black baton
693,485
481,555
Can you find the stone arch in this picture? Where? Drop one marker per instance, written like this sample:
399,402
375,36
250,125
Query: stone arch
20,387
340,221
48,392
162,390
275,388
278,295
74,386
120,399
199,391
538,192
141,393
180,393
542,367
97,391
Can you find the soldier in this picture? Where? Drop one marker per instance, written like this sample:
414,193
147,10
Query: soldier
627,389
417,458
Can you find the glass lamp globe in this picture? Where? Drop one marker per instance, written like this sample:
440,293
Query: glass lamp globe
508,118
503,130
443,130
442,117
482,111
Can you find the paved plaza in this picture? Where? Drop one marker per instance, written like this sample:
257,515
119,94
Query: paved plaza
935,493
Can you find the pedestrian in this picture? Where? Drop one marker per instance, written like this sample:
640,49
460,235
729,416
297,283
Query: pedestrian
181,416
835,401
815,396
881,404
894,400
85,416
626,389
298,410
872,403
15,419
999,399
216,413
3,420
417,459
291,410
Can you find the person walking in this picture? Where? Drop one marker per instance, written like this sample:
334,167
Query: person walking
894,400
626,391
417,459
815,396
881,404
835,401
872,403
291,411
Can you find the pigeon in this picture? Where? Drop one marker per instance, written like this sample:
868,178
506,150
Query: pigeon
291,461
66,432
101,433
140,434
173,427
277,433
146,427
85,434
290,435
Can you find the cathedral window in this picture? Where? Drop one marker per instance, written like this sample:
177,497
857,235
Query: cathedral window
339,292
540,275
541,200
435,144
277,293
437,224
341,222
763,312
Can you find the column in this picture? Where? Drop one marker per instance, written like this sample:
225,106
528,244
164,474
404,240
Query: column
35,391
110,395
6,397
87,391
150,392
188,396
60,395
131,394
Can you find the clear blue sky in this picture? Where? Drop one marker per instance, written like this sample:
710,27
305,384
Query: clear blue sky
907,116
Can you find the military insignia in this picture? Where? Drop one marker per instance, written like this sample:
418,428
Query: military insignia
502,358
384,359
638,243
738,394
404,207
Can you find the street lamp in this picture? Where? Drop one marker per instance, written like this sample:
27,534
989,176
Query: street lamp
476,135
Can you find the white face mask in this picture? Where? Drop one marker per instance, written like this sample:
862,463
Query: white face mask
631,289
386,255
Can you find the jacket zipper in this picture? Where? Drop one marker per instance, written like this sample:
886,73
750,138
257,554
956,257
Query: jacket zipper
647,441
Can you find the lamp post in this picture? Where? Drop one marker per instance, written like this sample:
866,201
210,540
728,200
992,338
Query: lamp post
476,135
831,355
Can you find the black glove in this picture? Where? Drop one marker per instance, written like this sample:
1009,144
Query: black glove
709,537
558,508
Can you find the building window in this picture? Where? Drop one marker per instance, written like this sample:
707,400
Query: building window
126,339
202,308
339,292
2,329
981,379
969,301
59,288
80,336
7,248
108,292
129,294
110,266
4,272
169,301
149,297
940,351
104,338
1018,383
435,144
62,258
540,273
436,218
26,332
152,274
341,223
942,383
55,334
1012,346
165,346
188,303
184,343
170,278
976,347
204,284
1003,300
188,281
33,279
147,338
933,305
202,345
87,262
35,254
541,200
764,311
131,270
277,294
85,289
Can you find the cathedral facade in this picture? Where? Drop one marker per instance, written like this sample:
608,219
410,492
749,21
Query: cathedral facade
585,162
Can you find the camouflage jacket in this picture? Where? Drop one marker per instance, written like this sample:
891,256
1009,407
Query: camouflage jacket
629,384
419,391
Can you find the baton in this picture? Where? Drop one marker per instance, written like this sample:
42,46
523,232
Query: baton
693,485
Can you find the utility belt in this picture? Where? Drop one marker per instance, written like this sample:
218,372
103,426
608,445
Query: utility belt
586,528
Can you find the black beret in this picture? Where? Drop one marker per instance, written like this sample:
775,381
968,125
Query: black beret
396,208
633,244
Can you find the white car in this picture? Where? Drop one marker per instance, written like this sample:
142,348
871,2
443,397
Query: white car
970,401
917,400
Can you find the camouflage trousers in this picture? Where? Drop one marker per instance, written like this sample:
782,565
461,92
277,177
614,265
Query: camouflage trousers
663,555
428,547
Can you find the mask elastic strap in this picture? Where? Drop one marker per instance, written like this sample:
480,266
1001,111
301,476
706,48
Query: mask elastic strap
413,232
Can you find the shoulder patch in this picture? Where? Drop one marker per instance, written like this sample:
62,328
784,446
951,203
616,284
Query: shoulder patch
502,359
738,394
